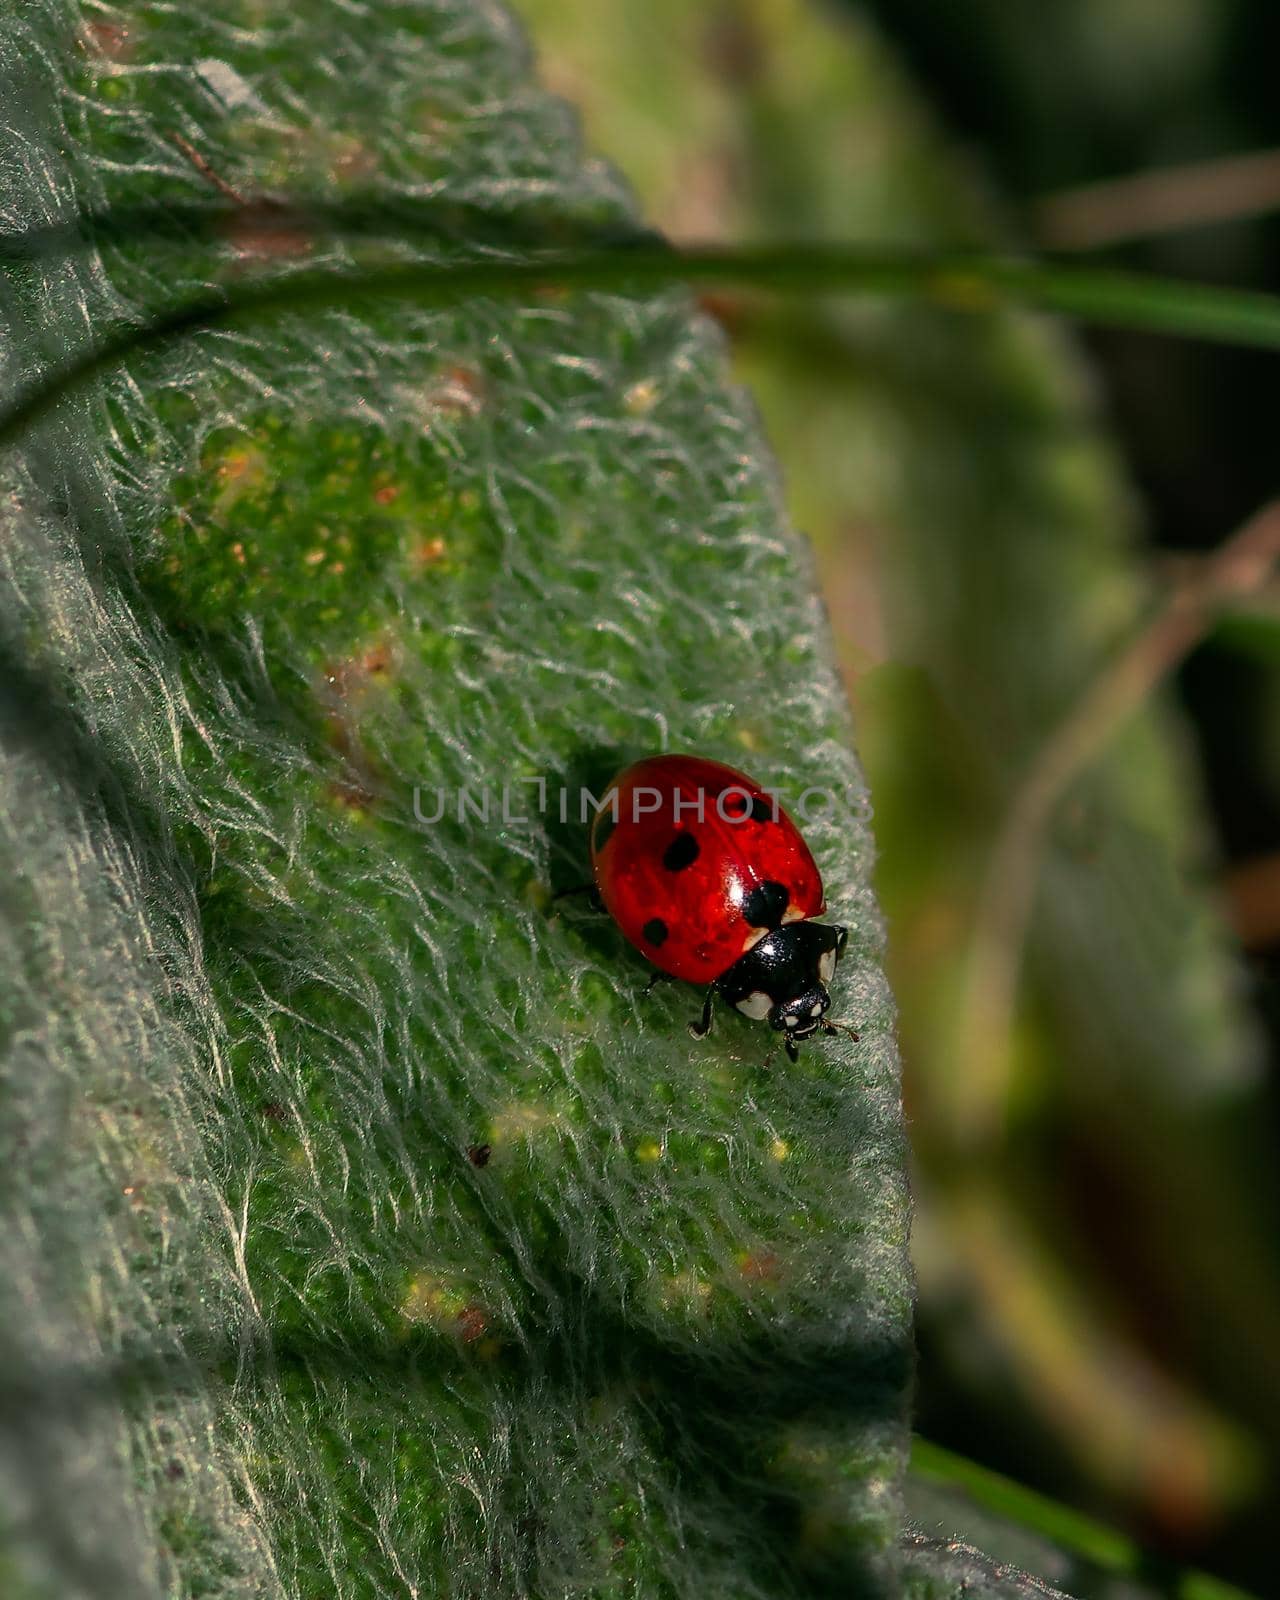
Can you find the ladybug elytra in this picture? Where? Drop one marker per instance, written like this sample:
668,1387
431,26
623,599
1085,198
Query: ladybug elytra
710,879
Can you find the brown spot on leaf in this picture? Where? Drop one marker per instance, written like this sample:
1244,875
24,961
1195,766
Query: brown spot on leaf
343,689
473,1322
266,231
108,41
351,796
347,682
761,1266
429,551
460,392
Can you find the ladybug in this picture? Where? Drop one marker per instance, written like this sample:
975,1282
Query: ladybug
710,879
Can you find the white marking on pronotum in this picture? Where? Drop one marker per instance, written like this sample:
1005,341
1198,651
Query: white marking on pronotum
827,965
815,1009
757,1006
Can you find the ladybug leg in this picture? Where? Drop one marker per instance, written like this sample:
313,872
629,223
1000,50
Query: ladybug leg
792,1049
658,977
702,1027
840,1027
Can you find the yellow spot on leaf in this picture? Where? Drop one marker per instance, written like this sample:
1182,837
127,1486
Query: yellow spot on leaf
641,397
428,552
433,1301
519,1120
241,468
686,1289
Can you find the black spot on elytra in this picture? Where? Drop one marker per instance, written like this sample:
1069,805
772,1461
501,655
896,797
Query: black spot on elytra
766,905
737,806
655,931
682,852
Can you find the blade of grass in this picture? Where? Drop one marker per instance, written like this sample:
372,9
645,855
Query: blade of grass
1066,1527
962,282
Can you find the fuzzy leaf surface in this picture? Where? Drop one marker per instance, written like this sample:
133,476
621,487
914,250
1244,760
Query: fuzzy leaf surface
262,1311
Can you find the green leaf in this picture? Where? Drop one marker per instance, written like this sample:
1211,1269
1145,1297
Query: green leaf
267,1328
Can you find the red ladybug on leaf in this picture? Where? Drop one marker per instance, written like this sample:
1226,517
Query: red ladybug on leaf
709,878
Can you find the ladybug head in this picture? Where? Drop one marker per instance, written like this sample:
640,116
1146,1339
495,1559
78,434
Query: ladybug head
783,978
802,1014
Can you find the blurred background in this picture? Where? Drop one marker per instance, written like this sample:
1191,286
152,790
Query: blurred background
1067,695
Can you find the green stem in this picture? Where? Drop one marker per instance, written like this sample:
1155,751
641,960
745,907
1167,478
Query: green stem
1062,1525
960,282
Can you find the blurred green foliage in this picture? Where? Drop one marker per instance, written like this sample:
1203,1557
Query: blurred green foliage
1096,1234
